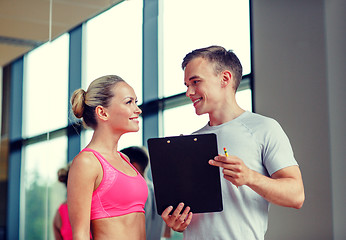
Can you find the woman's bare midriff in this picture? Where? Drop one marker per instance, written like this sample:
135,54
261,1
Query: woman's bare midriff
130,226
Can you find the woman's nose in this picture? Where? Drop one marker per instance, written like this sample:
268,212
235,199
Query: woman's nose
139,110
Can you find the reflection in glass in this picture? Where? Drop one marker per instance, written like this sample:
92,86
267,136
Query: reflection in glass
41,191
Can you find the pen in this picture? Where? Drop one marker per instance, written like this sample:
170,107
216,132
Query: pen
225,150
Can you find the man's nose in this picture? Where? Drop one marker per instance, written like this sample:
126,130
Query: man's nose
190,91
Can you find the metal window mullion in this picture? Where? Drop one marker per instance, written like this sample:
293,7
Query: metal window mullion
75,82
15,153
151,120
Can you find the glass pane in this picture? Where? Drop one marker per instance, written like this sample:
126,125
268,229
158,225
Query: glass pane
41,191
244,99
201,24
114,45
45,93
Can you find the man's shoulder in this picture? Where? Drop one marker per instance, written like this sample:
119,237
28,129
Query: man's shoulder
204,128
255,120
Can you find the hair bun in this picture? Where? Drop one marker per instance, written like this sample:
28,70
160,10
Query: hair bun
62,175
77,102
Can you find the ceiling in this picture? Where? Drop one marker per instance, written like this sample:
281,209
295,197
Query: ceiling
26,24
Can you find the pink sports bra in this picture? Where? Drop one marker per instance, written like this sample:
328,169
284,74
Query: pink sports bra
118,194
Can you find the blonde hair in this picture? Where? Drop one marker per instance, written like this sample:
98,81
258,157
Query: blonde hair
99,93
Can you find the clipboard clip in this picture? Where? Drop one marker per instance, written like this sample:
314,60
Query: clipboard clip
195,139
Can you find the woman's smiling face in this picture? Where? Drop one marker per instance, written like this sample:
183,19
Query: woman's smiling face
123,110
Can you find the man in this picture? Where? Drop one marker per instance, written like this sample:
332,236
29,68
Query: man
260,168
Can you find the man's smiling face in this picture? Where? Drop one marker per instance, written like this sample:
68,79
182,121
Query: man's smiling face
203,86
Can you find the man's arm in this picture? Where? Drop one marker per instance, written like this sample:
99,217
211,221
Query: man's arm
284,187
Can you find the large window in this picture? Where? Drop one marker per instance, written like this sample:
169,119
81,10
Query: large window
112,44
200,24
41,192
190,24
44,110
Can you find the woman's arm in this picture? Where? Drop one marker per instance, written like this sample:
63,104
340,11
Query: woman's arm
57,226
81,181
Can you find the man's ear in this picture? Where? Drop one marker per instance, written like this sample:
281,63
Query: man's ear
101,112
226,78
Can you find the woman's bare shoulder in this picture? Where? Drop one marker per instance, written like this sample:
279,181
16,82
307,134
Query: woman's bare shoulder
86,161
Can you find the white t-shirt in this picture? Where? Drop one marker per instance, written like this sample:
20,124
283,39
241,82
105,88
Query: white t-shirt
264,147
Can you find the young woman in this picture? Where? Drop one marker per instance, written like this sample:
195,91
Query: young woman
105,193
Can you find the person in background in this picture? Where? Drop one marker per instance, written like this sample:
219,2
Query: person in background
139,158
61,223
105,192
260,169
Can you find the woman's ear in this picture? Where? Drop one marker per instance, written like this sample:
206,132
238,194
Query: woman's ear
101,113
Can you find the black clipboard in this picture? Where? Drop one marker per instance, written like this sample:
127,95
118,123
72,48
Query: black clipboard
181,172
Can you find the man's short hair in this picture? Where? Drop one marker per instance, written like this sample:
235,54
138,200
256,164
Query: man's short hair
222,60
